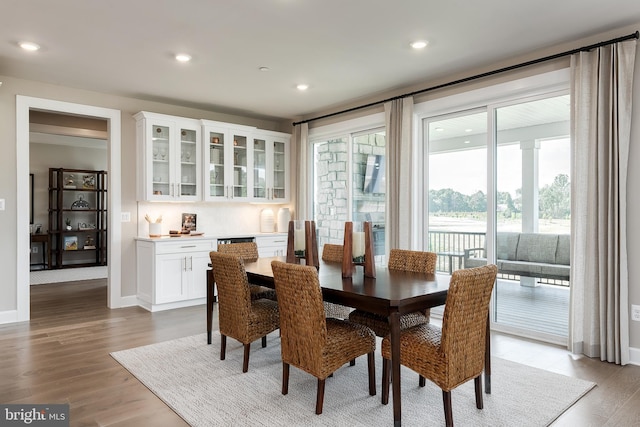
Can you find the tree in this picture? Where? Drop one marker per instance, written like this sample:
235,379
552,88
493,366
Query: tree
555,199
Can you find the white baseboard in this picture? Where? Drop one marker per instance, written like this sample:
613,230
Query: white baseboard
634,356
129,301
9,316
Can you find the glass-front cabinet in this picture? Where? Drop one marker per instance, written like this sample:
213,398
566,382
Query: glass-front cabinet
228,155
270,167
169,151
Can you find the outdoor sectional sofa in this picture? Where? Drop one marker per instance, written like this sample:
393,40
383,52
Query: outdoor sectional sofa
527,254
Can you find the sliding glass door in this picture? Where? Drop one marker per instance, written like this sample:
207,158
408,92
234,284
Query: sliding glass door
504,170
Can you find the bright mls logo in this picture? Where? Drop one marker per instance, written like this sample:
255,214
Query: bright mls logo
34,415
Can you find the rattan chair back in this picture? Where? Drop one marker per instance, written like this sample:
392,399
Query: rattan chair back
414,261
234,297
464,323
332,253
303,327
246,250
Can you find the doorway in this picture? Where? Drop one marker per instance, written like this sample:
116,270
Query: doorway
24,106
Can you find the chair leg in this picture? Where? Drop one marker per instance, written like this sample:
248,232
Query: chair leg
386,370
245,362
422,381
371,362
448,411
478,383
285,378
352,362
223,347
264,341
320,397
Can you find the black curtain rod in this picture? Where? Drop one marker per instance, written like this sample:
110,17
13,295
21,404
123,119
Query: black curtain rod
635,35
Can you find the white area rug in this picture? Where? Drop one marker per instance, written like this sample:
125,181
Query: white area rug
188,375
40,277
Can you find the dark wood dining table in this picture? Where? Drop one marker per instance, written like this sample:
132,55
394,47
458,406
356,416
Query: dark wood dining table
391,293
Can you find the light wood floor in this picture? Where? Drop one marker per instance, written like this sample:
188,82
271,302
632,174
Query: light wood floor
62,356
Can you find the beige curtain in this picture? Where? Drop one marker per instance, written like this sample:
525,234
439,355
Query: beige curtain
300,140
398,118
601,89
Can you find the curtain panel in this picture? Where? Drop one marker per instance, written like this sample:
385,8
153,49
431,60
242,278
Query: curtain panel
601,90
398,120
300,140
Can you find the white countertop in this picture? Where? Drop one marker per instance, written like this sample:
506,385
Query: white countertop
167,238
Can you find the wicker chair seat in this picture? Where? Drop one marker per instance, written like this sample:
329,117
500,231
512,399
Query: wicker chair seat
309,340
333,253
454,354
380,324
260,292
240,317
336,311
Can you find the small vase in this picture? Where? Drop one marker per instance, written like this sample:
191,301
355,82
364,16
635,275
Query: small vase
284,216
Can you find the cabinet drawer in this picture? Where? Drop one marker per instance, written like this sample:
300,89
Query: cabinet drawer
185,246
266,241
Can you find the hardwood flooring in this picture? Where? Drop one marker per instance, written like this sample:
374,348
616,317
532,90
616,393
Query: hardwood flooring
62,356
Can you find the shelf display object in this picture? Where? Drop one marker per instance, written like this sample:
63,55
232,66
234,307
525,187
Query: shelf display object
77,218
169,151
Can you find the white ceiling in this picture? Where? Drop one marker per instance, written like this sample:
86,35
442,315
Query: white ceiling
346,50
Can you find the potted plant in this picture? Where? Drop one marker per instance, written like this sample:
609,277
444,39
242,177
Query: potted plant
68,223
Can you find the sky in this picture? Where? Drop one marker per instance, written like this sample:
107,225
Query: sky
463,172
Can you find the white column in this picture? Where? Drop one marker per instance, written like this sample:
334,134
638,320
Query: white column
530,208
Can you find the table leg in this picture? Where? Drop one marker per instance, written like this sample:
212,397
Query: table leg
487,358
210,284
394,325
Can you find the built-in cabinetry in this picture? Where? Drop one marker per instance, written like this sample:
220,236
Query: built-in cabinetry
171,273
170,158
192,160
77,218
270,164
272,245
227,158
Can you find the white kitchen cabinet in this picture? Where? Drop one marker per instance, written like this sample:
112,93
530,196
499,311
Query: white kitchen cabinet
271,167
169,158
272,245
227,155
172,272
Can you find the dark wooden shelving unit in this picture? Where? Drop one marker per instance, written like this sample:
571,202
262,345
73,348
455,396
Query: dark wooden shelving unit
80,196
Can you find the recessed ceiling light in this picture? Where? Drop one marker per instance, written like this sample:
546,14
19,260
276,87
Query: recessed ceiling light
183,57
468,130
302,87
263,68
467,142
439,129
419,44
29,46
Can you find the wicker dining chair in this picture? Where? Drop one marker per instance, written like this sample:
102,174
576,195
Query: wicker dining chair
333,253
310,341
403,260
248,251
454,354
240,317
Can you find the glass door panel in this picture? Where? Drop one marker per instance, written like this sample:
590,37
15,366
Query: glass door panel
216,164
259,168
188,160
533,215
240,166
161,160
457,189
279,175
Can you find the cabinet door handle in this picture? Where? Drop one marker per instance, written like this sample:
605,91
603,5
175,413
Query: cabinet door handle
187,246
191,263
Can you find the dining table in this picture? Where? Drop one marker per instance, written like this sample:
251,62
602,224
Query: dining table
391,293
